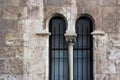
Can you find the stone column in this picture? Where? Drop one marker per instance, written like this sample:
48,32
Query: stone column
97,42
70,40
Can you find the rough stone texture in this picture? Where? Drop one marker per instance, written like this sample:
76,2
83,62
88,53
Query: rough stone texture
14,13
11,77
109,13
34,12
12,2
107,77
111,26
24,39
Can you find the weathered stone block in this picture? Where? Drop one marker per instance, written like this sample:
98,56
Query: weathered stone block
14,13
12,2
6,25
102,77
101,53
12,26
2,3
108,67
12,39
109,3
107,77
32,26
34,12
2,66
114,77
110,26
7,52
11,77
11,52
98,67
114,54
109,13
14,66
2,39
118,12
23,3
33,2
19,52
56,2
114,40
118,3
118,66
0,14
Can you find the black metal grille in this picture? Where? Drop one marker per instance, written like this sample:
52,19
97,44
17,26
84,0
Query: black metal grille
83,50
58,50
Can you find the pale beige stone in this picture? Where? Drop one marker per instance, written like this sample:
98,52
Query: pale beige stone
102,77
2,66
14,66
12,2
109,13
34,12
24,42
2,3
14,13
110,26
114,77
14,39
11,77
109,3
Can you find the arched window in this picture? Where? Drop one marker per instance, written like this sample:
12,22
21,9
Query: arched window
83,55
58,50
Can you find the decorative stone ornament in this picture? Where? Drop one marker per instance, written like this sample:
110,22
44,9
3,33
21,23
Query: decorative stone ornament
71,39
98,37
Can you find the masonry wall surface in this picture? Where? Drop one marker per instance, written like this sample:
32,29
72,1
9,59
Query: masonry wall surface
24,36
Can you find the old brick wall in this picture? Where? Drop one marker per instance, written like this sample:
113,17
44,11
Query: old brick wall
24,36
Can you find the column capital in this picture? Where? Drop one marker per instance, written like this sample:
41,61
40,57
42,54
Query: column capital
99,38
71,38
98,34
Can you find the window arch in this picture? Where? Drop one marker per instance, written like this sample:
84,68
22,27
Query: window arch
83,54
58,50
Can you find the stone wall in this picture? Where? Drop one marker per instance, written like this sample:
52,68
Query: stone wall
24,36
11,39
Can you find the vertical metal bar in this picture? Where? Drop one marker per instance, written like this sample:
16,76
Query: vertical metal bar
59,54
77,54
68,65
87,52
50,60
82,52
91,51
54,51
63,58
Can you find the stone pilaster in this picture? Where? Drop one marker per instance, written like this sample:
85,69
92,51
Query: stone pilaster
98,51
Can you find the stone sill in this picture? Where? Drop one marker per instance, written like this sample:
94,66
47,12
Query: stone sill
98,32
44,33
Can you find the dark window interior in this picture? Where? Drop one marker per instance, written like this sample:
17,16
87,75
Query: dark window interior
83,55
83,50
58,50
